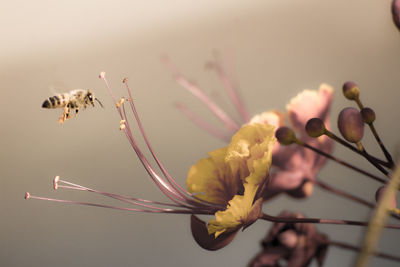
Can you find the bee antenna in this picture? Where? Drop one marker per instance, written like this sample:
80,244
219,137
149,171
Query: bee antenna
101,105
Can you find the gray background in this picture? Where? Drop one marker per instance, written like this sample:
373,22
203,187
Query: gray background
279,48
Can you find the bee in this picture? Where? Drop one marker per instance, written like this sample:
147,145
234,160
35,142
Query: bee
71,101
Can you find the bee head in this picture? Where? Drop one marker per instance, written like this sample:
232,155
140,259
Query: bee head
90,97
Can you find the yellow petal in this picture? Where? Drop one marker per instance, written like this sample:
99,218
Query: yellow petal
250,152
274,117
211,179
238,213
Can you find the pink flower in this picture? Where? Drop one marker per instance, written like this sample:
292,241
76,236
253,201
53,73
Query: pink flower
294,167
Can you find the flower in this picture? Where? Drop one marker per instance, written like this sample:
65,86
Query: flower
296,243
294,168
226,184
231,176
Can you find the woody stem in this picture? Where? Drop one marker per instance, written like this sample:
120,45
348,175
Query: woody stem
270,218
358,249
301,143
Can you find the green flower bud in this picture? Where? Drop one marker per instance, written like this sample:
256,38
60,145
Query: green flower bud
285,136
368,115
315,127
351,125
350,90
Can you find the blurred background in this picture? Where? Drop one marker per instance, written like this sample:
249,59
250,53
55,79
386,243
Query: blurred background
278,48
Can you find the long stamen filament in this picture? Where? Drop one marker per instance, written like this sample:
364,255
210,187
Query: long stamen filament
232,93
118,208
229,123
202,123
126,199
166,174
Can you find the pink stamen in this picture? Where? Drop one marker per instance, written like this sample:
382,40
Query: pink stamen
200,94
166,188
163,170
231,91
108,206
103,77
185,202
202,123
122,198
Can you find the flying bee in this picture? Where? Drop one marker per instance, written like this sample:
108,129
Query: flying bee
71,101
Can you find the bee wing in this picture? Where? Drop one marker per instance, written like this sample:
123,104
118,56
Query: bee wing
55,89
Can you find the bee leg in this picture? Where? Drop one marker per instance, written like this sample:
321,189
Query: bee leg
65,115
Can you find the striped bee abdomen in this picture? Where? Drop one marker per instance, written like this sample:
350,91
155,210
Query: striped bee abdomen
53,102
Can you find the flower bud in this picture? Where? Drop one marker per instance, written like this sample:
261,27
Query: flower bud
351,125
379,195
396,13
350,90
315,127
285,136
368,115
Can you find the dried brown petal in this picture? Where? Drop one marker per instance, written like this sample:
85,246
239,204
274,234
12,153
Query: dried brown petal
298,251
206,241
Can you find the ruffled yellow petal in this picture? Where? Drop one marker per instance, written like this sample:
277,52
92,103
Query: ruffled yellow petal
240,212
212,180
274,117
250,152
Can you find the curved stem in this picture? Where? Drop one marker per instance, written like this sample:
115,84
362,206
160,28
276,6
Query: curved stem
371,160
378,219
299,142
270,218
378,139
384,150
354,149
327,187
358,249
341,193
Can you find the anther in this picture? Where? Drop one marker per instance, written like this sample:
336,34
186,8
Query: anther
120,102
122,125
55,182
102,75
27,195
